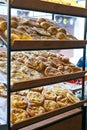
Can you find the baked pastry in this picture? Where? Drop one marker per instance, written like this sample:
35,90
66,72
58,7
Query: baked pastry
3,66
35,97
51,71
31,73
18,101
37,89
14,37
18,115
22,28
14,18
49,94
17,32
41,31
62,30
50,105
52,30
35,110
62,104
67,69
45,25
22,93
61,36
3,25
26,36
40,20
18,76
19,56
62,100
3,93
2,86
60,90
65,60
3,54
34,64
72,98
14,24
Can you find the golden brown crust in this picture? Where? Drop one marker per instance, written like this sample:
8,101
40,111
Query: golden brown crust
50,105
45,25
40,20
18,115
14,37
14,24
2,86
21,28
14,18
3,25
51,71
52,30
61,36
49,94
18,101
72,98
34,64
35,110
60,90
35,97
3,93
62,30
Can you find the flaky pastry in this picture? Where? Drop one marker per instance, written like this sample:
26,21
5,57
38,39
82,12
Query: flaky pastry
35,97
35,110
49,94
18,115
18,101
50,105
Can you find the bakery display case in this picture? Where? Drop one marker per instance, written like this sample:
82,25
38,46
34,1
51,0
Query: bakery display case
54,118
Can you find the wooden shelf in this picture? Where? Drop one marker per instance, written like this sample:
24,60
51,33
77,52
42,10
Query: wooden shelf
62,119
47,115
47,44
45,81
39,5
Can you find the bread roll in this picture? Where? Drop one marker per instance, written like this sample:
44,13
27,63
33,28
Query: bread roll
14,18
45,25
62,30
3,25
52,30
14,24
61,36
40,20
21,28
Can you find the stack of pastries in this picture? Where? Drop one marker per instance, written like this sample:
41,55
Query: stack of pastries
36,101
31,28
30,65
